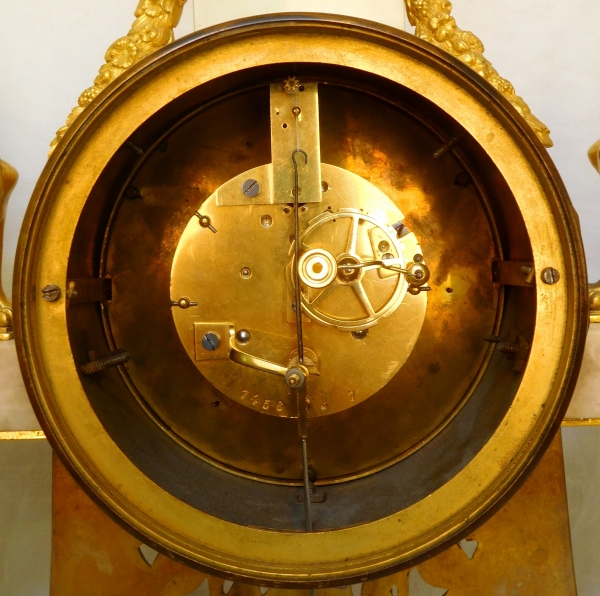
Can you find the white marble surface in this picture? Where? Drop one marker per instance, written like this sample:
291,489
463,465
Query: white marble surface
208,12
586,398
581,447
15,410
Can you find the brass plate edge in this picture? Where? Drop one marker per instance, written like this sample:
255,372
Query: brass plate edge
11,435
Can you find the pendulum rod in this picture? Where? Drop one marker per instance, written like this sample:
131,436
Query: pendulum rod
297,256
301,391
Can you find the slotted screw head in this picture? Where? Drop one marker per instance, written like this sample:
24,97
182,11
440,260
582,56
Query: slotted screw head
51,293
210,341
550,275
250,187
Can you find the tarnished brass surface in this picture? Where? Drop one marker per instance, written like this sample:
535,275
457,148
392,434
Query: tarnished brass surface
434,23
524,549
294,120
8,179
371,164
151,30
432,453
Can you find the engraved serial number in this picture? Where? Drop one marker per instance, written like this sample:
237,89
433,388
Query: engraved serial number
255,400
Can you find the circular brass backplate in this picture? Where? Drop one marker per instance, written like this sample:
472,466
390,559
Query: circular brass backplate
184,464
245,264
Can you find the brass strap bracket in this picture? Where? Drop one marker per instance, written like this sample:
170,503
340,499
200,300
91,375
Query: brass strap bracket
513,273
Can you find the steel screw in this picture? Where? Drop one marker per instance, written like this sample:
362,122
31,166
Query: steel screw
246,272
210,341
51,293
550,275
295,378
243,336
250,187
360,334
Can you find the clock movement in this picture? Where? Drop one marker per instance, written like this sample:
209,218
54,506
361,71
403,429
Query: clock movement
300,299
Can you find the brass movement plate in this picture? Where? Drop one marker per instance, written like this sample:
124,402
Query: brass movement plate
417,402
247,263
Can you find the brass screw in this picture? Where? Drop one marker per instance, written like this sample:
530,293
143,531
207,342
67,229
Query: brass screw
184,303
296,111
205,222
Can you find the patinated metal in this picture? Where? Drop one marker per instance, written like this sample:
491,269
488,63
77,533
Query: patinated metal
524,549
